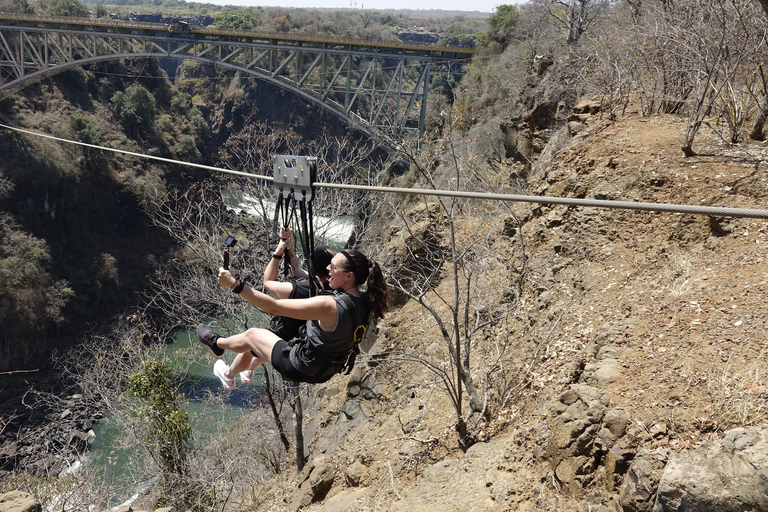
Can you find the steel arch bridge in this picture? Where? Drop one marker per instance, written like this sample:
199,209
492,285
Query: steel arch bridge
375,86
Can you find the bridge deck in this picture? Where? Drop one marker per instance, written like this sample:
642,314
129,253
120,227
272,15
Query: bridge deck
219,34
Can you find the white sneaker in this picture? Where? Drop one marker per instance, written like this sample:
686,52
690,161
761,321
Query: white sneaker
246,376
220,370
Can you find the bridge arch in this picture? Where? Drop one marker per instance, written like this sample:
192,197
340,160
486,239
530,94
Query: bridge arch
35,76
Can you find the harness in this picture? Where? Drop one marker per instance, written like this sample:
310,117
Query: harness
327,364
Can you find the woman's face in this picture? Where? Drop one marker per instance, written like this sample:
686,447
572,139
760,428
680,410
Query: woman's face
338,273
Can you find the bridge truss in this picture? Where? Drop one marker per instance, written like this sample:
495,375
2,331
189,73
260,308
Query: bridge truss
375,86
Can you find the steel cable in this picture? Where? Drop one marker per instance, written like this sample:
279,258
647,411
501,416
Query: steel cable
717,211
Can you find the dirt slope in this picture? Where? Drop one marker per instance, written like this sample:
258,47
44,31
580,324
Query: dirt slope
682,294
679,299
676,301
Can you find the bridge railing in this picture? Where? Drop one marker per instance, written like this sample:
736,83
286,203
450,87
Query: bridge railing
395,45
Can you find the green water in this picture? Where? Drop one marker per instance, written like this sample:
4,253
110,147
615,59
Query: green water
210,407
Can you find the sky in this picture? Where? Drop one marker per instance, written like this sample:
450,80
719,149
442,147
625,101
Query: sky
488,6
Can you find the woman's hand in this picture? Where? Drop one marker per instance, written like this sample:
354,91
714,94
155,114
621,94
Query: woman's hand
226,279
284,244
286,240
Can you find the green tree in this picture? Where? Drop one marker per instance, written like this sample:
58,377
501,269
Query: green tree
84,129
74,8
468,40
501,27
21,6
135,108
186,149
200,127
101,11
30,299
243,19
161,409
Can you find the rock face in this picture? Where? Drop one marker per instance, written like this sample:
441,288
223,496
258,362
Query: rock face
419,35
53,439
568,437
729,474
17,501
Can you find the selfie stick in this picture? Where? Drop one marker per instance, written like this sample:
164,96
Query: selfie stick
229,242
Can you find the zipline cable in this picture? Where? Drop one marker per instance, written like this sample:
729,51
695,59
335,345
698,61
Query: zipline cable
140,155
717,211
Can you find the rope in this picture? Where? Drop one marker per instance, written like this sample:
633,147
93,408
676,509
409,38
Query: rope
308,244
717,211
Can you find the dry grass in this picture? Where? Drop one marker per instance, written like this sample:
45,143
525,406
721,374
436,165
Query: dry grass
739,393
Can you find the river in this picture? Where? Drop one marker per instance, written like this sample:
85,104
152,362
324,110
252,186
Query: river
192,365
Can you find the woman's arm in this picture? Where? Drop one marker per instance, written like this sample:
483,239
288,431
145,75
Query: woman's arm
278,289
321,308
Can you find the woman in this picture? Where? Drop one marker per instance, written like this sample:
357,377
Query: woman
331,320
296,287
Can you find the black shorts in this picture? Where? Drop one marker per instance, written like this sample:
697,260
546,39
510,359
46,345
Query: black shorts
282,363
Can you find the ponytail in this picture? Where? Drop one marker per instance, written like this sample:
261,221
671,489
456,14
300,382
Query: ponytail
368,271
377,291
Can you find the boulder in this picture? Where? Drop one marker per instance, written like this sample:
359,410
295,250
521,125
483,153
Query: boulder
17,501
605,369
587,107
314,483
576,127
346,501
730,474
567,438
638,490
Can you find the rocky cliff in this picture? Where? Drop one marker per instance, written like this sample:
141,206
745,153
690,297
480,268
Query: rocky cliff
642,336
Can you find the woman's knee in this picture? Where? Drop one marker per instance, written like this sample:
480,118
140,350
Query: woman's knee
261,341
253,334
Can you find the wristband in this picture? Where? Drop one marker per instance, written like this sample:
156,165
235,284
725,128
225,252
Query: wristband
239,288
277,256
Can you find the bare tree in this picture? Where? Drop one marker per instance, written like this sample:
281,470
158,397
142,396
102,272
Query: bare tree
609,68
759,73
699,59
441,253
344,160
716,51
576,16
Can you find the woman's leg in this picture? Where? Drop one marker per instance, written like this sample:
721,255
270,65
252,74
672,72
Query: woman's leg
244,361
260,341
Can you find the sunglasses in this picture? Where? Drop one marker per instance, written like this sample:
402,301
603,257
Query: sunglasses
334,267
